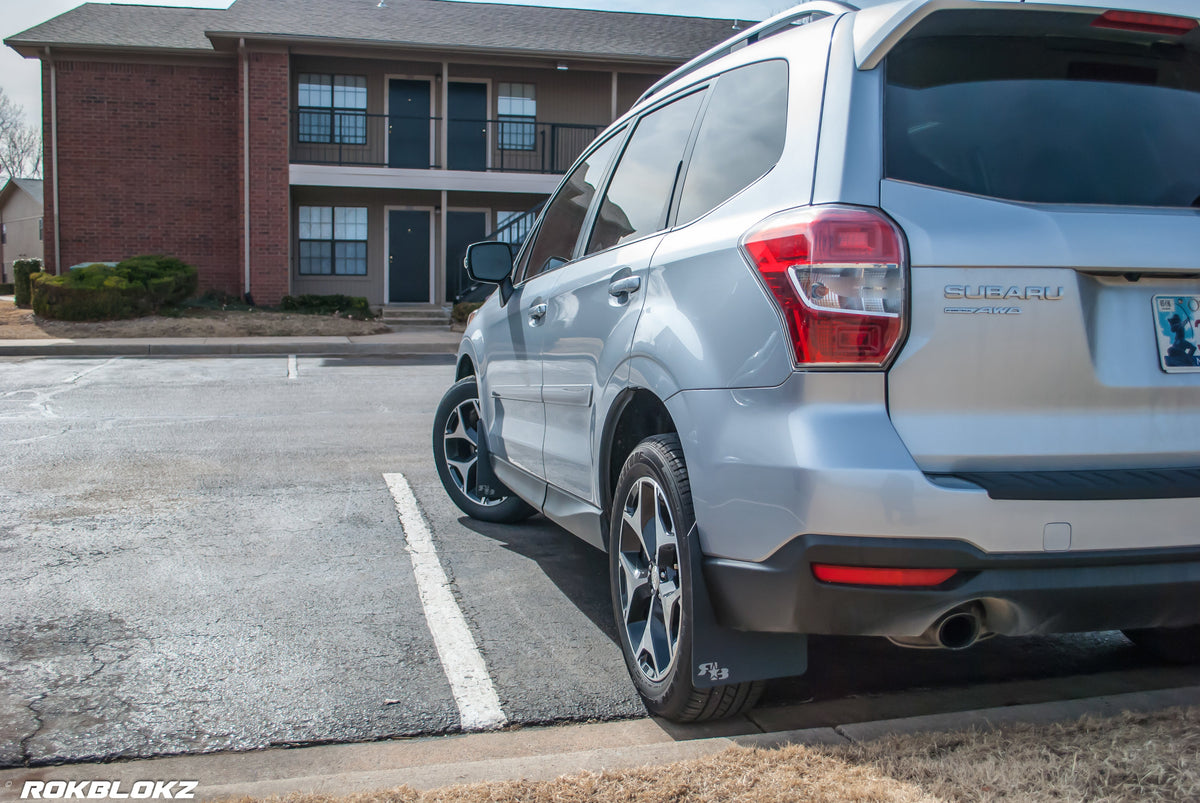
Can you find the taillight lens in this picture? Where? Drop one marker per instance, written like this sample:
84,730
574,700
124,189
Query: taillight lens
838,275
1145,23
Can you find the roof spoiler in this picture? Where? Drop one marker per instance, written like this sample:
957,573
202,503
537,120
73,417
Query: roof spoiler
879,28
802,14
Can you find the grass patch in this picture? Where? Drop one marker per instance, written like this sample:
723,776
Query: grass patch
1133,757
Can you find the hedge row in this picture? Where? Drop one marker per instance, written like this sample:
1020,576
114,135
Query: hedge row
347,306
135,287
23,270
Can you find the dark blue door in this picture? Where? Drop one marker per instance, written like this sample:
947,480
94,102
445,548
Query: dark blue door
462,229
468,126
408,256
408,123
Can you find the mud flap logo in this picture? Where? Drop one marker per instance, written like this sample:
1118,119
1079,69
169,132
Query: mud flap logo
714,671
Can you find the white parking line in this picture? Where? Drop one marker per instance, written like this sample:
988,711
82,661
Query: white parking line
478,705
293,367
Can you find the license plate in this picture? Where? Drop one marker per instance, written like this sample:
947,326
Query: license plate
1177,321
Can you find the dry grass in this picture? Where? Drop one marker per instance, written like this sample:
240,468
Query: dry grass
21,324
1134,757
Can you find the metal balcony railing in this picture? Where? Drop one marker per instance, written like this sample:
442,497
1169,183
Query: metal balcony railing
514,145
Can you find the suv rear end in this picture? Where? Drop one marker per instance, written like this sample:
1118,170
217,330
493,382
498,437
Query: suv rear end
1002,433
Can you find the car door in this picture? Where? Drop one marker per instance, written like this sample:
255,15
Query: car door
595,304
512,381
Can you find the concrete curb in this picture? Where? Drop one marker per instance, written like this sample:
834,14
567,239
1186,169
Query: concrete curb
540,753
396,345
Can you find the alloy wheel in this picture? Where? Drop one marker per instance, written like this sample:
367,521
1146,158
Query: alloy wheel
650,587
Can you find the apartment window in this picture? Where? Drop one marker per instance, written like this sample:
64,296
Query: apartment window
333,108
518,116
333,240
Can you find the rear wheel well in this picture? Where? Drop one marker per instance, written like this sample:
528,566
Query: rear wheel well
636,415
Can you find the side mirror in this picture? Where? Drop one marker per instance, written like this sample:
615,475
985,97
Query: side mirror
492,263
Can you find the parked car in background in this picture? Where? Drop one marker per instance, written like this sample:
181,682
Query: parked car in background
871,321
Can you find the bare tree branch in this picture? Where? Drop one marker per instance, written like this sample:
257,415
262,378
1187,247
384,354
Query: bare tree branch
20,142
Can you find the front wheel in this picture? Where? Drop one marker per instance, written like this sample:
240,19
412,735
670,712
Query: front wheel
651,515
456,428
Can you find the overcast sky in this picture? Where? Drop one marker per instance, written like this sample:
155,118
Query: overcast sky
21,78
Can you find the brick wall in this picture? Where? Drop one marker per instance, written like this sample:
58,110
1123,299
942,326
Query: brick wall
269,180
148,159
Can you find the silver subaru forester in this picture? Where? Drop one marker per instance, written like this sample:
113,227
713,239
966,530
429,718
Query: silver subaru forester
879,319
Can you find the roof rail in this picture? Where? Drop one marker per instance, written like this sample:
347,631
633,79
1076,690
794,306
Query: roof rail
806,12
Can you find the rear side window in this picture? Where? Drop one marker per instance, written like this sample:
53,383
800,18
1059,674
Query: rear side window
741,136
1070,113
639,195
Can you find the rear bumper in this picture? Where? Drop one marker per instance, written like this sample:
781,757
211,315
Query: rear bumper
1020,594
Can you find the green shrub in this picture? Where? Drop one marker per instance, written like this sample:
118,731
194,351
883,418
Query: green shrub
23,269
97,292
347,306
462,311
7,289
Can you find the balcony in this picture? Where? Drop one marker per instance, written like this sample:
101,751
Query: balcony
356,139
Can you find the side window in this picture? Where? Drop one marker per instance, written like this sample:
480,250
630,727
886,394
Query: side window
554,241
639,194
741,136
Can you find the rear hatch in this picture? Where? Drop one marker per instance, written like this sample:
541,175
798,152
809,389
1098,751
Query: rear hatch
1045,167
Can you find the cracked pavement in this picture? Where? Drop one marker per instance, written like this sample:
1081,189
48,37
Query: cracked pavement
201,554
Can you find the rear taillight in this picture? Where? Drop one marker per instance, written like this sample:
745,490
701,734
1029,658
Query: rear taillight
1145,23
838,275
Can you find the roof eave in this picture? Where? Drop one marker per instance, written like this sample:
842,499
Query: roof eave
34,50
227,40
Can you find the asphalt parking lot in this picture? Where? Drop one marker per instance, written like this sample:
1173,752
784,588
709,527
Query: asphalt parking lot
205,554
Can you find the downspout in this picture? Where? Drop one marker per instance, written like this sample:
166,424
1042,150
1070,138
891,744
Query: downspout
54,160
245,163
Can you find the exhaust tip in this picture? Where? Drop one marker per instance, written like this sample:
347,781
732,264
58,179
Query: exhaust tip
959,631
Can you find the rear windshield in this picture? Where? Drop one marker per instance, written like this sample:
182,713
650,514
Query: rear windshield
1047,108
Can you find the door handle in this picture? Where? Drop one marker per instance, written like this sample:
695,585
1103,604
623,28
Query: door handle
625,286
537,312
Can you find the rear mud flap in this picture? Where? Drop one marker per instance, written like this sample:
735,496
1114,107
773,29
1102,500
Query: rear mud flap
721,655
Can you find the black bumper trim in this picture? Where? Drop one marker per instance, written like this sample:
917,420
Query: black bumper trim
1021,593
1164,483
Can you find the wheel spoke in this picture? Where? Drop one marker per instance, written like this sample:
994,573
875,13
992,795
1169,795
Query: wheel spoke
671,596
636,584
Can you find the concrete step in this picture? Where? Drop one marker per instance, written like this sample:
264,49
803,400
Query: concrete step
416,315
440,323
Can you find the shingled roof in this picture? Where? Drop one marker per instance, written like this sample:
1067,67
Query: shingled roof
115,26
423,24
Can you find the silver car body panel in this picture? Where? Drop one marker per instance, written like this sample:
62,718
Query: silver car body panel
819,454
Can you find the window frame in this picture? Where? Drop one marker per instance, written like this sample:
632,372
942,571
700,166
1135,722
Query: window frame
516,125
333,242
333,112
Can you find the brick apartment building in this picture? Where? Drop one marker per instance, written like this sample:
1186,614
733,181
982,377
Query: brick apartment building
326,146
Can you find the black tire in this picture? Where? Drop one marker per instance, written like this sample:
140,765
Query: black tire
662,675
1178,645
455,438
